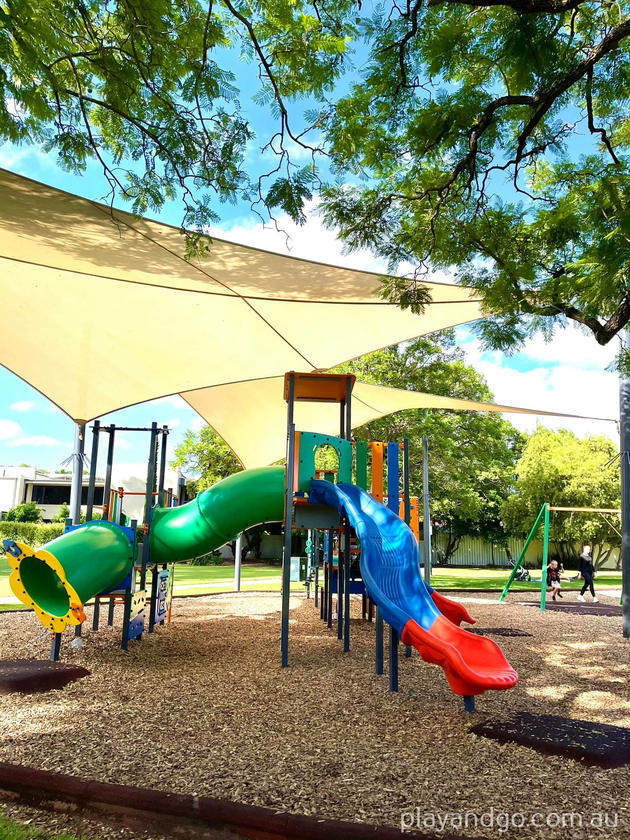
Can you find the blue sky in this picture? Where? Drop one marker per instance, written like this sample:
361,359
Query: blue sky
569,374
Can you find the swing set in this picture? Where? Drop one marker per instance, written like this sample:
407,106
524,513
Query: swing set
544,518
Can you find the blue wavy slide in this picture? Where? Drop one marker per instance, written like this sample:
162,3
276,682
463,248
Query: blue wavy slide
391,572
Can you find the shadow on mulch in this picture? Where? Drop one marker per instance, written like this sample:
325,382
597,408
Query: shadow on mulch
498,631
587,608
594,744
29,676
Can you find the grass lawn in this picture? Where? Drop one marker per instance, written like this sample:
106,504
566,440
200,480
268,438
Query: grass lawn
16,831
199,580
443,578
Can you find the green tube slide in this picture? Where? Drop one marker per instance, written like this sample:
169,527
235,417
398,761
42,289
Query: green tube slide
57,579
218,514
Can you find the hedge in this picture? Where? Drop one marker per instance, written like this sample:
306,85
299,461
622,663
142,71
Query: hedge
31,533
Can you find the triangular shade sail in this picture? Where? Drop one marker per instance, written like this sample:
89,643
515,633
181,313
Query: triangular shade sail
100,310
251,416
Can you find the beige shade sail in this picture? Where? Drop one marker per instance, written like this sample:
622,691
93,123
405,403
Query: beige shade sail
251,416
101,310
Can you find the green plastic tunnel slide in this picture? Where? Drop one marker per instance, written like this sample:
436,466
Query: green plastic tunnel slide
57,579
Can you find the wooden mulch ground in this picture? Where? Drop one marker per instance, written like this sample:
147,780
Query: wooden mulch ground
203,707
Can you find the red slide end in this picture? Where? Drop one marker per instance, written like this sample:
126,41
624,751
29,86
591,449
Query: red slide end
453,610
472,664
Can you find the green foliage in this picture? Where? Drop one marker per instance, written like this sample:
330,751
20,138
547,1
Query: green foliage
16,831
64,513
141,89
34,534
212,559
494,138
26,512
566,471
471,454
205,456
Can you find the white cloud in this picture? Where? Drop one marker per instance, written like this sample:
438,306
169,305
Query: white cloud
22,405
175,401
9,429
566,375
197,423
38,440
122,442
174,423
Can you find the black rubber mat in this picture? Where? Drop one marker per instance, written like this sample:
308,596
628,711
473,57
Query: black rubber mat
32,675
579,608
596,744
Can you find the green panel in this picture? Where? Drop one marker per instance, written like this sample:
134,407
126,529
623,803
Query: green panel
218,514
362,462
309,444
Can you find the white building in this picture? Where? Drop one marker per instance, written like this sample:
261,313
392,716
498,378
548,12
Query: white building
50,490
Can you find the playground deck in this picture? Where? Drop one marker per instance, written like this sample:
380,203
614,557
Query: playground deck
204,708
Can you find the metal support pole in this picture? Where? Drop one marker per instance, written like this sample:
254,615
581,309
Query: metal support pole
315,560
341,565
545,557
110,612
329,575
93,461
77,473
148,500
393,659
108,468
624,428
237,563
379,641
426,516
162,473
55,647
288,524
346,589
97,613
342,419
181,490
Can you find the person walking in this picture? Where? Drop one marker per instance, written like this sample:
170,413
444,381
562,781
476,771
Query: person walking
587,572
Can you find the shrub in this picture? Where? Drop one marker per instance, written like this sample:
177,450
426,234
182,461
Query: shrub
34,534
212,559
64,513
26,512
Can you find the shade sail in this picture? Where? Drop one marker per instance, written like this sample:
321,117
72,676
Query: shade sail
92,299
251,416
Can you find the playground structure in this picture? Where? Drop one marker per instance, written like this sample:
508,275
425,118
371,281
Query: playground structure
543,518
101,559
105,559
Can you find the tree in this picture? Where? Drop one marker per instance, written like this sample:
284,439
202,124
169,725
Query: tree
566,471
26,512
205,456
493,136
472,454
141,90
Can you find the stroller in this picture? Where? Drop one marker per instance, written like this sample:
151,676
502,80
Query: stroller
522,575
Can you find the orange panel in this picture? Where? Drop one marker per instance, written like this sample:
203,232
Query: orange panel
319,387
377,470
414,518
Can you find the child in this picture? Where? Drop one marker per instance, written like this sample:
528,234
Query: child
553,579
